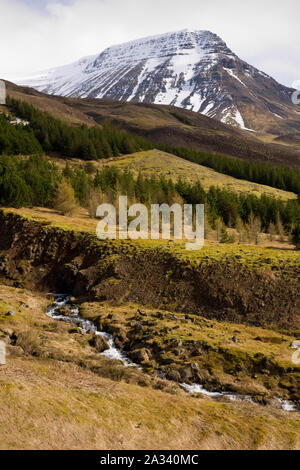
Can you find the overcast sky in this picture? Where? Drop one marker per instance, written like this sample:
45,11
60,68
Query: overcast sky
40,34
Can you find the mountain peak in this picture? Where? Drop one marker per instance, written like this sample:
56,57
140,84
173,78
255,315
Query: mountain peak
192,69
172,39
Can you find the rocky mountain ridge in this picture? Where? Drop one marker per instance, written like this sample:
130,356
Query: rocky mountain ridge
194,70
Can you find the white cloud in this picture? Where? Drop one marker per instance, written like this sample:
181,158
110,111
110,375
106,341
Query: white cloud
262,32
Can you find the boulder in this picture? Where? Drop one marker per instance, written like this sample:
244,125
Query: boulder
138,327
16,351
175,343
99,343
179,352
7,331
173,375
186,374
118,343
73,331
140,356
65,311
167,360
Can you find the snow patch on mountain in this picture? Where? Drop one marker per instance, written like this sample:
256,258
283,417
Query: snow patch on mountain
190,69
234,76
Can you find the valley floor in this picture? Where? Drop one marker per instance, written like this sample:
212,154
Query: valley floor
59,392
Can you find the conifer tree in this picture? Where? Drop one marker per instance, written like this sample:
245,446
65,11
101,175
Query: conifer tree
65,201
296,236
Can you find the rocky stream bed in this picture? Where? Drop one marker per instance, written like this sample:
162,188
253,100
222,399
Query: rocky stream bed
112,352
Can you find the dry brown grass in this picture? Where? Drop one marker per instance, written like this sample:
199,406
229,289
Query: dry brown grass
51,403
57,108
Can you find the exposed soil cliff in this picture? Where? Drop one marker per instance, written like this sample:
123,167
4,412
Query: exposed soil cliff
39,256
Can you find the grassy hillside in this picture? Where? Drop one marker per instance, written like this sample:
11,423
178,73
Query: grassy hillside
282,259
94,143
162,124
225,316
170,125
55,397
158,163
56,108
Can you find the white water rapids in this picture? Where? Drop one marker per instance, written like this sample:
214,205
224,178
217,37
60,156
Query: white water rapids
113,352
88,326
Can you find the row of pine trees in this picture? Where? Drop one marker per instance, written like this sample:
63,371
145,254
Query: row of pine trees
83,142
34,180
92,143
286,179
16,140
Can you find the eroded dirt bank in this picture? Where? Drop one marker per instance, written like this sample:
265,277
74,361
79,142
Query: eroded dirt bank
38,256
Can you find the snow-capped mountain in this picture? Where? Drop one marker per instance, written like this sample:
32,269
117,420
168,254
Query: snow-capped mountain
194,70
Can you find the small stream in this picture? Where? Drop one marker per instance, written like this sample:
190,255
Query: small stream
88,326
113,352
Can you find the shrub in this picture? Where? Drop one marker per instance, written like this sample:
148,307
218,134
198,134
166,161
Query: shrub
225,237
30,343
65,201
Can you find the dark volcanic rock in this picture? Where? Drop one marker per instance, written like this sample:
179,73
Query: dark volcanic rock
99,343
83,266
